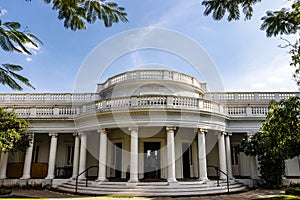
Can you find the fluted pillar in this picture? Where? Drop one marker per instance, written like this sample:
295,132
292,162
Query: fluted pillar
222,154
76,155
52,155
171,153
202,155
102,155
28,159
82,161
134,155
228,155
3,164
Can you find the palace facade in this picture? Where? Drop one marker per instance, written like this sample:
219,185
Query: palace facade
139,127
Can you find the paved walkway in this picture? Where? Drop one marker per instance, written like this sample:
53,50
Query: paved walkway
252,194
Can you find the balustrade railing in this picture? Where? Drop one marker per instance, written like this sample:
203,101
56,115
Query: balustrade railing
48,97
45,111
48,105
157,101
249,96
152,75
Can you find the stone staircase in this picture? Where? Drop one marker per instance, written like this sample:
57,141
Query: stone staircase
191,188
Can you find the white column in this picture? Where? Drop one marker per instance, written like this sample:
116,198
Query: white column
76,155
28,159
52,155
222,154
202,155
102,155
134,155
228,155
171,154
82,161
252,162
3,164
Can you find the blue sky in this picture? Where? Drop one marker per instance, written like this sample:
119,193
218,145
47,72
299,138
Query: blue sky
244,57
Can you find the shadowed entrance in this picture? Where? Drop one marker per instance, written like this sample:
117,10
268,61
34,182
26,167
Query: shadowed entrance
151,160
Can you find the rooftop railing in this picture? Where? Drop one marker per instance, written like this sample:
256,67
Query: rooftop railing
249,96
48,105
47,97
152,75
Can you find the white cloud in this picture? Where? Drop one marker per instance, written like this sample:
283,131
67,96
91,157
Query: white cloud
3,12
178,14
28,59
263,75
31,48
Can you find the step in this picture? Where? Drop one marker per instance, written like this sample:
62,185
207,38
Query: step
150,188
165,193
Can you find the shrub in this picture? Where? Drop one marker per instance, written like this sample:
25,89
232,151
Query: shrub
293,189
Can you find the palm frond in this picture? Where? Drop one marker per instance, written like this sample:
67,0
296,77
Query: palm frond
10,78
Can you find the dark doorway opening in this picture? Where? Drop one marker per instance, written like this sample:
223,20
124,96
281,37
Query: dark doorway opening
152,160
186,160
118,160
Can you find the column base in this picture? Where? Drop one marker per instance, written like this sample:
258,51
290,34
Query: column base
133,180
1,181
25,177
22,182
204,179
49,177
172,180
102,180
47,183
81,177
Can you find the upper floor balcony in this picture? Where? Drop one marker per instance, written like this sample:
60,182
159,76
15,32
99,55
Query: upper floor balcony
237,104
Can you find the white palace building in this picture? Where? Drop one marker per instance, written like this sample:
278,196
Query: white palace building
144,133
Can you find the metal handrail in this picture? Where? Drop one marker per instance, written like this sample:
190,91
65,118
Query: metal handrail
218,176
86,180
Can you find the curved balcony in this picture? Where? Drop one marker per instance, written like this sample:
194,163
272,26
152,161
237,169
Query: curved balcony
157,75
157,101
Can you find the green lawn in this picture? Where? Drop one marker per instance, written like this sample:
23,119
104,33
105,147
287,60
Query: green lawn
283,197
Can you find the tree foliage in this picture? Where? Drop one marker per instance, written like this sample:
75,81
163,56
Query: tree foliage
14,40
280,22
76,14
13,132
278,141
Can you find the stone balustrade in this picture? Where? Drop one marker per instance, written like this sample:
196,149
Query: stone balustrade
48,97
152,75
249,96
48,105
158,102
45,111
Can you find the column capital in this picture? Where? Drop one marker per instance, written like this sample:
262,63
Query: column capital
31,134
53,134
221,133
202,130
81,134
250,134
170,128
133,128
102,130
229,133
76,134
